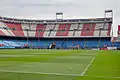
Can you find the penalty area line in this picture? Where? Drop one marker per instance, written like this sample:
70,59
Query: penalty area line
42,73
85,70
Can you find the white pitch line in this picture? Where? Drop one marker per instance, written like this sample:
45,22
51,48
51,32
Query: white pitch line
88,66
56,74
43,73
16,55
111,77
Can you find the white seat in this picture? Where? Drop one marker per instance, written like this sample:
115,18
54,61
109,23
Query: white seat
78,33
47,30
106,25
98,26
73,26
80,27
24,27
32,33
33,26
53,33
96,33
104,33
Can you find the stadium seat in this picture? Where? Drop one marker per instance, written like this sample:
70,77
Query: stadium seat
32,30
88,30
94,42
40,29
25,27
48,29
72,30
53,33
63,30
4,30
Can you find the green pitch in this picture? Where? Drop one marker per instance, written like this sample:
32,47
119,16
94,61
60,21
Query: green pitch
28,64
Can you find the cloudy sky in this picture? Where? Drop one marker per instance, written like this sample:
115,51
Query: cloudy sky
46,9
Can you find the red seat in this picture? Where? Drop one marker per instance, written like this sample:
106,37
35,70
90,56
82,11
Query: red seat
40,30
2,34
63,30
88,30
16,29
109,29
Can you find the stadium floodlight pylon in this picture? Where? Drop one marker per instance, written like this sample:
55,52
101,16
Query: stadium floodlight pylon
109,14
59,16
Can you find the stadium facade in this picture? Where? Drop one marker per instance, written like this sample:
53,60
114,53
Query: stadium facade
93,33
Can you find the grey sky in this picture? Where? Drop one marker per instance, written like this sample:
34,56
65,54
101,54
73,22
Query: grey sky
46,9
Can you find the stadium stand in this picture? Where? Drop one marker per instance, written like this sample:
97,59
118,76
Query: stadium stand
65,34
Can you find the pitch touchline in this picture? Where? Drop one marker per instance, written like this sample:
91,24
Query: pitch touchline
57,74
88,66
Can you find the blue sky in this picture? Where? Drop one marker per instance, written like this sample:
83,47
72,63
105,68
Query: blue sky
46,9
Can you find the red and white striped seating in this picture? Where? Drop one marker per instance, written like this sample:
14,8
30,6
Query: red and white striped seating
4,31
16,29
55,30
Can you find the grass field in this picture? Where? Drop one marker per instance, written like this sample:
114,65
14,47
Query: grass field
59,65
